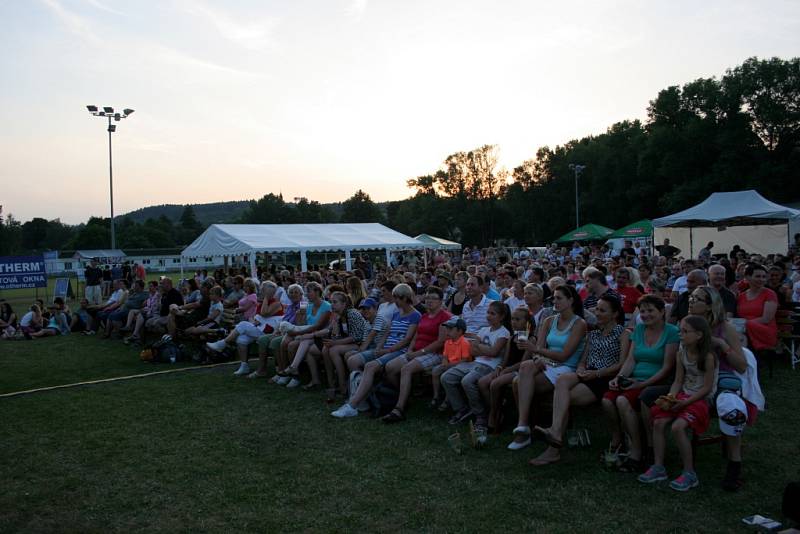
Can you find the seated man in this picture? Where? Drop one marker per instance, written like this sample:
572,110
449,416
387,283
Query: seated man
114,302
169,296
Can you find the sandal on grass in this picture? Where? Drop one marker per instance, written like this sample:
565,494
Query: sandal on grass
311,386
395,416
547,437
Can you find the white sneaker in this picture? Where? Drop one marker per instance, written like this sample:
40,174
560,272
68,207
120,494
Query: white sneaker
345,411
517,445
293,383
282,380
216,345
244,369
275,379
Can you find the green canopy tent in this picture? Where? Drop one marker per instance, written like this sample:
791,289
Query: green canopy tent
587,232
437,242
642,229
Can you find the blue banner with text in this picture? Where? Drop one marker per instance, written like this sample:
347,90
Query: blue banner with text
19,272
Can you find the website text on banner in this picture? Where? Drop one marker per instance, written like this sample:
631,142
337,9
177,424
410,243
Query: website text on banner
22,272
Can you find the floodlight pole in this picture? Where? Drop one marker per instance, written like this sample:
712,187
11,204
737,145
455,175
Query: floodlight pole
577,169
109,112
111,186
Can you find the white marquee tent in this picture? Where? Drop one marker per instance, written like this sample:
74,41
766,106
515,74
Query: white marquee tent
250,239
739,217
437,243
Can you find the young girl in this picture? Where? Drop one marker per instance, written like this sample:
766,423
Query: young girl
488,347
519,349
214,317
31,322
686,404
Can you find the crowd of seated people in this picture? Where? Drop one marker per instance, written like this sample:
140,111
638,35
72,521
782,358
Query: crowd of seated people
656,342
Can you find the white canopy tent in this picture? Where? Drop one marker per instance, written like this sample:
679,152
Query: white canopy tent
739,217
250,239
437,243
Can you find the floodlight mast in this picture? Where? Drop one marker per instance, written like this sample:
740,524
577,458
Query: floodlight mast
108,111
577,169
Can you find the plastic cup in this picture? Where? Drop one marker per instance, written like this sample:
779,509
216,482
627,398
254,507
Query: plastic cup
522,335
454,441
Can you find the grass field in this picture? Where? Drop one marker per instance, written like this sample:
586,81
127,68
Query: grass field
202,451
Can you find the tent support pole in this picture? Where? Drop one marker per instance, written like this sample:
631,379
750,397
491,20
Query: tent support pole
388,259
691,244
348,261
304,261
181,267
253,265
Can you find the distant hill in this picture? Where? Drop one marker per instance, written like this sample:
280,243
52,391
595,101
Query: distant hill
212,213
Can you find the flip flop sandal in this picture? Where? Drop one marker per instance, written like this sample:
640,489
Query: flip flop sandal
547,437
310,387
395,416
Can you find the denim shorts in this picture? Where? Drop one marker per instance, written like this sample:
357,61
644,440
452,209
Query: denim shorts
386,358
429,361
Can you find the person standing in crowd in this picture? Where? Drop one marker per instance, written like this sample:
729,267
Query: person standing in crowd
667,250
94,280
705,254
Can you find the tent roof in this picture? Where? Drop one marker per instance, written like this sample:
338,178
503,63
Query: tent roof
437,242
643,228
106,253
587,232
232,239
736,208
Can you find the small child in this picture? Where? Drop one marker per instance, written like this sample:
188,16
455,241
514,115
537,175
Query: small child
456,350
214,317
687,404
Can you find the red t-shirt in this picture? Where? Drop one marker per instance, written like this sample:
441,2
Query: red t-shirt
630,296
428,329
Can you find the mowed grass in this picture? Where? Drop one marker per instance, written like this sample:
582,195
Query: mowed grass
203,451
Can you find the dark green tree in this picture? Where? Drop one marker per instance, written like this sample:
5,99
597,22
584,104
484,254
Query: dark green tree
361,209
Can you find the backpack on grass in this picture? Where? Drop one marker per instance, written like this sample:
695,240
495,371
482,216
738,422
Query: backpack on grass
164,350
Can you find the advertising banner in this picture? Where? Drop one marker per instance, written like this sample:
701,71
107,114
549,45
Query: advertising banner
19,272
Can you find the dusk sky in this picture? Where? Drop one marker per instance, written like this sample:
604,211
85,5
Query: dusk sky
237,99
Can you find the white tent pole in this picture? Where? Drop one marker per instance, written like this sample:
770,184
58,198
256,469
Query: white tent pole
425,257
253,265
348,262
303,261
388,259
181,267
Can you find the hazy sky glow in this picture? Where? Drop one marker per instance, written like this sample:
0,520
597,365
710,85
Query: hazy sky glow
239,98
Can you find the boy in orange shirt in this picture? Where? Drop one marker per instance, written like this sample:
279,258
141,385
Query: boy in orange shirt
456,350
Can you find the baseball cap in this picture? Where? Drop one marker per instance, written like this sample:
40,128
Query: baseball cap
455,322
368,303
732,413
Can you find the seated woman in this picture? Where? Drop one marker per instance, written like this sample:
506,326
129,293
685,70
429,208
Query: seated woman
488,348
8,320
193,310
317,318
558,349
599,362
395,344
519,349
425,353
270,344
706,302
31,322
650,361
347,328
248,332
57,323
758,306
350,331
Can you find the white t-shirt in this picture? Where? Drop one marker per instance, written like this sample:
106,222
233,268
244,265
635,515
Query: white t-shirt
681,285
214,307
489,337
116,296
27,319
283,296
513,302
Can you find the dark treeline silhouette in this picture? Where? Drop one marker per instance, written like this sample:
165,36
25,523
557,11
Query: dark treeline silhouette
740,131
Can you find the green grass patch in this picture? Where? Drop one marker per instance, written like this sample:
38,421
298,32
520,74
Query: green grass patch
204,451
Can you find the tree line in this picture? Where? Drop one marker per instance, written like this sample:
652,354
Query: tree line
739,131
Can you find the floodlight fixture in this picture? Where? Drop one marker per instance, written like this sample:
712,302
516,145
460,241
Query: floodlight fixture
127,111
108,109
91,109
